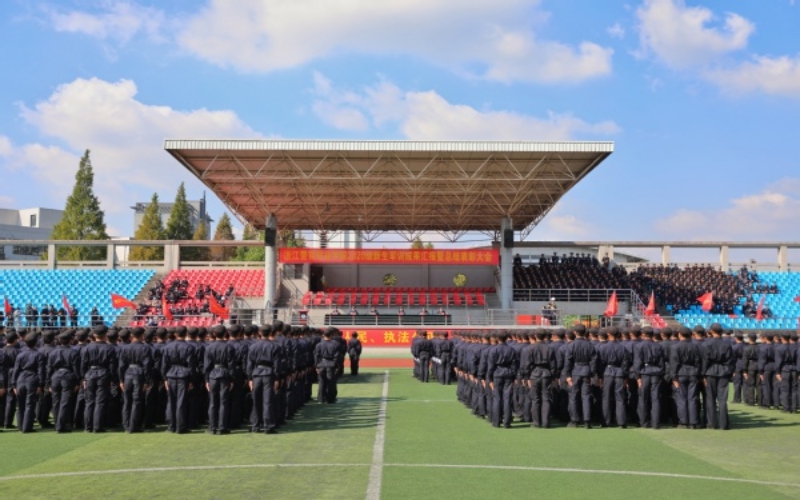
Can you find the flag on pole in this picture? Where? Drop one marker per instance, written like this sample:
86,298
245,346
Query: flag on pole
7,306
65,302
613,306
119,302
760,309
707,299
651,307
217,309
165,307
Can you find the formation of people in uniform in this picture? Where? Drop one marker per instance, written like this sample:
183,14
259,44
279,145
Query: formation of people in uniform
611,377
137,379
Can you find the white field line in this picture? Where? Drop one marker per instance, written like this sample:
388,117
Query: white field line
376,469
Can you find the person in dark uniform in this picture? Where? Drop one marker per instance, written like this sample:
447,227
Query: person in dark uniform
786,372
685,364
177,368
5,381
219,363
541,362
424,350
766,370
446,358
11,350
135,374
264,365
99,371
325,360
28,382
63,372
615,365
717,361
648,364
354,351
738,368
750,370
45,405
502,372
580,364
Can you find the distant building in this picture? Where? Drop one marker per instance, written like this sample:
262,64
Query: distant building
26,224
197,213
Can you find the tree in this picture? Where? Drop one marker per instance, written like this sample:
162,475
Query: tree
82,219
417,244
250,254
224,232
197,253
289,239
429,246
179,225
151,228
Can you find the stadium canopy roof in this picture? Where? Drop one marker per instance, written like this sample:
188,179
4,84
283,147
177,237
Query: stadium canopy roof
376,186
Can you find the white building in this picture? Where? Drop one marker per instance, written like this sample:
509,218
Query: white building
26,224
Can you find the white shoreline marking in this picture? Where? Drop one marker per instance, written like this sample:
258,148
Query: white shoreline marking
520,468
376,469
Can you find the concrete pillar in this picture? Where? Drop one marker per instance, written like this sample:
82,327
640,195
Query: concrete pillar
51,256
666,256
172,257
507,269
783,258
111,256
601,252
724,259
610,250
271,269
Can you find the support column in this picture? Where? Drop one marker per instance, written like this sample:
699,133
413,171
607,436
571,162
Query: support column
111,256
666,256
271,268
783,258
507,267
724,259
51,256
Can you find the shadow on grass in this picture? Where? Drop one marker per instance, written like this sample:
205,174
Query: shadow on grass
745,420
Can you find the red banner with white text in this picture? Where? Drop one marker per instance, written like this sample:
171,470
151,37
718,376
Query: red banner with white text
387,256
389,337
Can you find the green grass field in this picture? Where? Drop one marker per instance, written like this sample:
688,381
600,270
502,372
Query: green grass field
433,448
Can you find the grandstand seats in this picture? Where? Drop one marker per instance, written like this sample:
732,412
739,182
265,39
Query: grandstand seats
246,282
397,297
84,289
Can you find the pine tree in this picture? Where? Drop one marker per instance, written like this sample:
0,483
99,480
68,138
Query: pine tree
179,225
224,232
82,219
198,254
151,228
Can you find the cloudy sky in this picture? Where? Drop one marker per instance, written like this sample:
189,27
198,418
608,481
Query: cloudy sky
702,98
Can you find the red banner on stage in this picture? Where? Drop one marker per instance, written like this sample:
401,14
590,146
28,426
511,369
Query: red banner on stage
388,337
387,256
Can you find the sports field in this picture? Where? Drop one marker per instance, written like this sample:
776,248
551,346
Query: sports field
392,437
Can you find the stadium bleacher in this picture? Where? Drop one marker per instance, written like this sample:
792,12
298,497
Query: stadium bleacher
84,289
247,282
398,297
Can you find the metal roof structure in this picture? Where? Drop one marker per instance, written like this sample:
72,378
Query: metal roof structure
376,186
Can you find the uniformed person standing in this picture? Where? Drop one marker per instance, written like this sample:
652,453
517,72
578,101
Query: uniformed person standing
750,370
11,351
5,381
766,370
786,372
325,359
502,372
45,405
29,381
63,372
354,351
717,360
177,368
219,363
686,363
99,372
615,363
424,350
446,357
580,364
541,360
135,374
263,366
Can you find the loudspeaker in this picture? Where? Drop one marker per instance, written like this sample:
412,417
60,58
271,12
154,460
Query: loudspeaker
270,237
508,238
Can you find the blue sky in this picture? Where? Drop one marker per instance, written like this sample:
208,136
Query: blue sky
702,98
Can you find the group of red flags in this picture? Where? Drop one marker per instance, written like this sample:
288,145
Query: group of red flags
707,301
119,302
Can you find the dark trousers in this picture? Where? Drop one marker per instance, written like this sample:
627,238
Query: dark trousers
353,365
737,386
63,403
501,403
95,396
633,401
717,402
219,404
178,405
650,401
767,389
541,396
27,398
44,408
133,403
750,387
237,401
447,368
686,401
580,395
614,401
425,367
327,385
264,403
788,384
10,409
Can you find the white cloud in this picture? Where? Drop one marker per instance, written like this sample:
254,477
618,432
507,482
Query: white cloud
770,75
616,31
429,116
124,136
114,20
684,37
567,225
494,40
772,214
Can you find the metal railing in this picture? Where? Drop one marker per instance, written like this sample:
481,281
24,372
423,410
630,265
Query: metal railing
572,295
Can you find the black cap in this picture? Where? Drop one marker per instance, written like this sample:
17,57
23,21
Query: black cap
716,328
100,330
752,336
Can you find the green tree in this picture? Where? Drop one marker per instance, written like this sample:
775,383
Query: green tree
179,225
290,239
82,219
200,254
428,246
417,244
224,232
250,254
151,228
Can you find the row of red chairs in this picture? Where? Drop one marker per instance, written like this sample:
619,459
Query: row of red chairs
384,290
320,299
246,282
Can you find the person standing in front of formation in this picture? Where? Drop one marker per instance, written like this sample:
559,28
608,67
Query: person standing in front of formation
354,351
325,360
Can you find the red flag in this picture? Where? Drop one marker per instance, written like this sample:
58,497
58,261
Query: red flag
613,306
707,299
651,307
65,302
217,309
7,306
165,307
760,309
118,302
